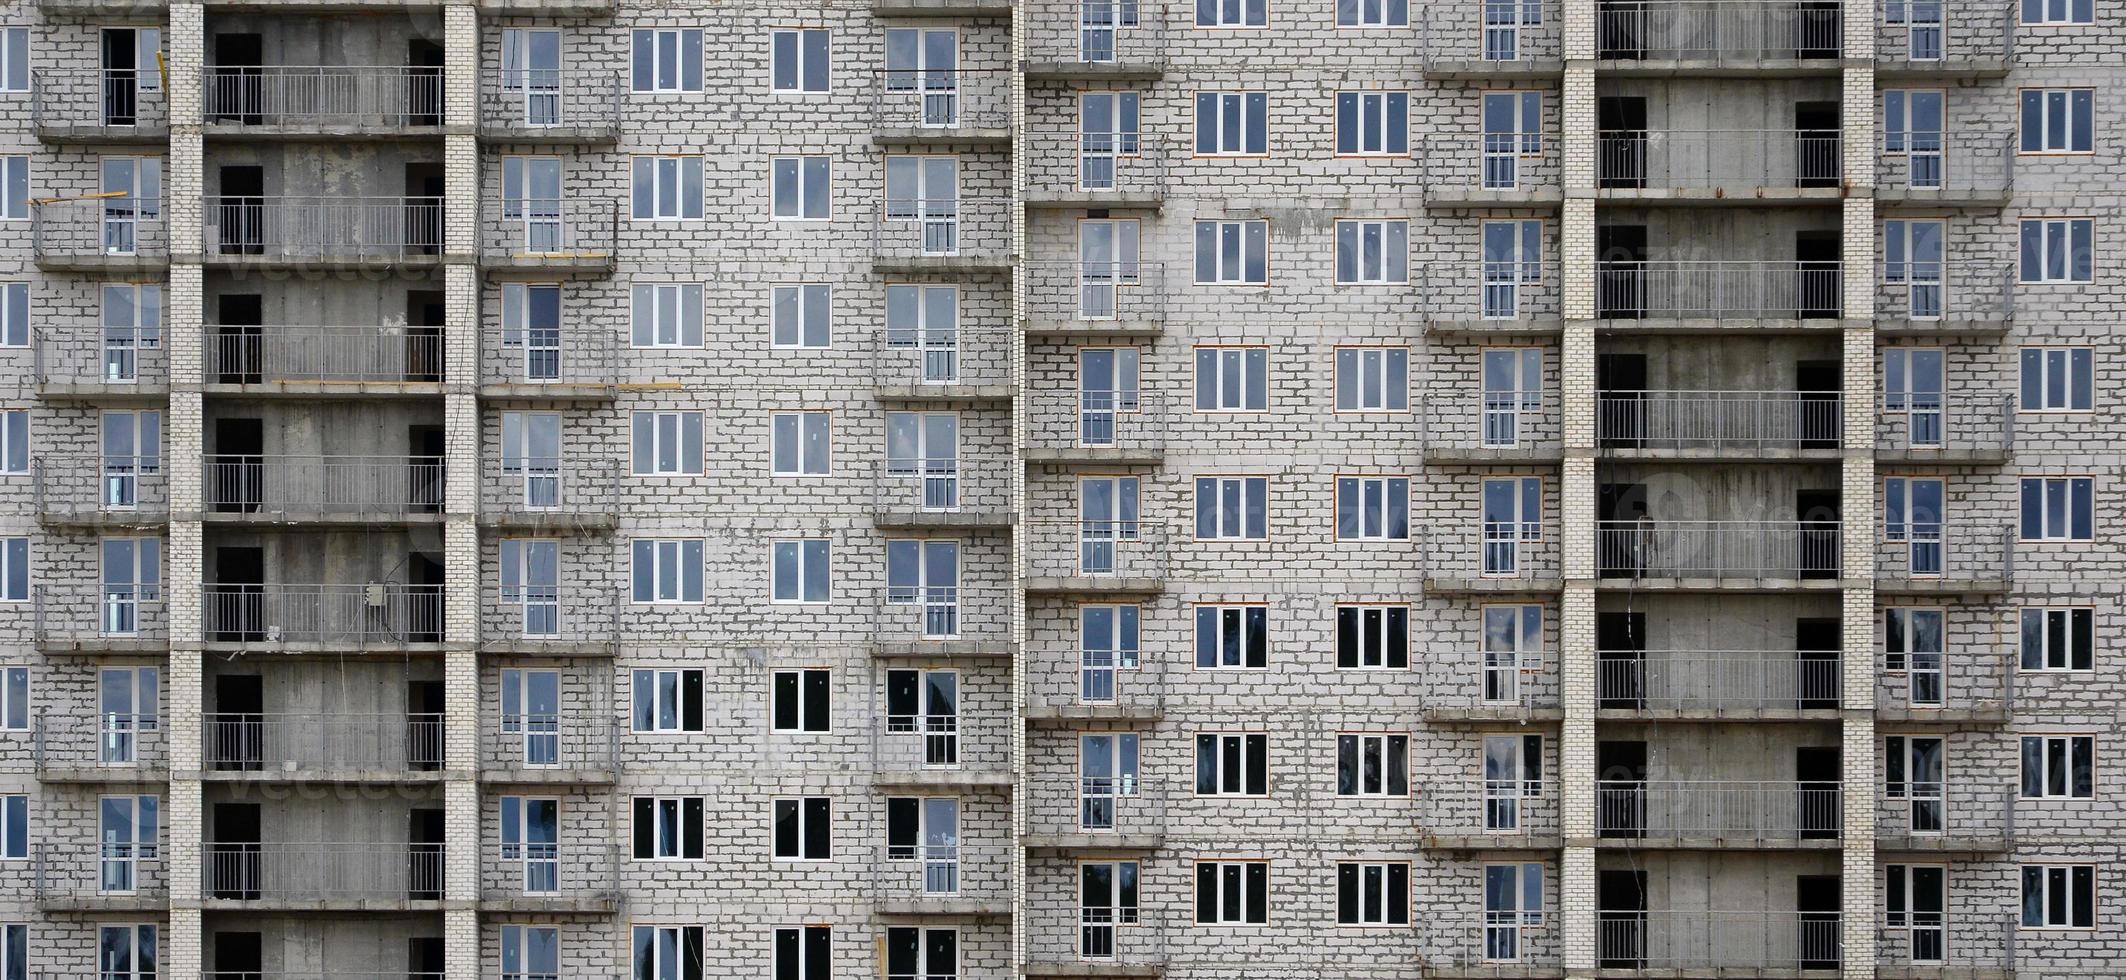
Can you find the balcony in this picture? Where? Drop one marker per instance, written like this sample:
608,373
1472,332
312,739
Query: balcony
339,101
1104,685
1934,557
1479,39
1492,168
323,489
549,746
98,106
1720,425
91,877
550,106
1492,426
1498,556
1933,817
1094,40
121,235
1494,295
551,620
940,235
1101,298
1718,35
116,618
959,363
380,615
376,747
1489,814
968,491
1718,814
920,106
1718,685
1742,554
315,360
1724,167
1095,557
1975,687
538,236
934,621
1741,293
1075,169
1106,813
1488,686
336,876
104,748
550,492
1067,940
1966,38
961,750
1926,427
1930,168
1095,427
1494,944
549,363
326,230
957,878
93,362
106,491
1930,299
1696,941
550,877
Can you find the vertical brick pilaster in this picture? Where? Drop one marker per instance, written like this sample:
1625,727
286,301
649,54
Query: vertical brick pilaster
1576,256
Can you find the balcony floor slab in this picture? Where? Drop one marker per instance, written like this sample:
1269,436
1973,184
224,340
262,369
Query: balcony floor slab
1493,842
1478,456
1080,329
984,136
1738,195
1976,588
1114,200
548,776
110,519
548,393
942,265
1477,69
915,649
64,391
330,389
157,902
1984,716
1525,327
146,266
1940,844
986,908
944,393
1716,715
1472,197
104,775
1739,66
1094,456
1725,583
1976,327
1080,71
1068,585
313,518
97,646
1492,714
556,522
1043,715
941,779
399,905
1080,968
589,135
605,903
1073,843
1480,585
384,777
519,646
971,520
327,132
1655,843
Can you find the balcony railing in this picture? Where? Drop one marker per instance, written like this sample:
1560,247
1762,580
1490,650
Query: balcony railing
1096,549
967,741
582,355
380,614
551,614
1116,33
318,354
1065,164
1734,811
1707,159
912,229
126,228
1913,35
1717,681
915,614
1928,548
548,871
1490,30
1117,807
1490,944
1944,812
1931,291
108,741
1921,162
88,614
1718,31
583,739
943,486
962,872
1096,292
1501,551
1118,421
1922,943
364,96
98,355
1068,933
1488,808
1500,420
1743,290
323,228
539,230
270,742
1720,421
941,101
113,488
105,872
1477,680
244,484
1489,289
1718,549
532,488
278,873
1946,682
1707,940
108,101
541,103
1928,422
1491,162
940,359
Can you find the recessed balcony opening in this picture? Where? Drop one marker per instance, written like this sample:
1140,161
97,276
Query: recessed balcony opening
1684,265
1758,522
320,854
348,590
1677,913
362,720
318,75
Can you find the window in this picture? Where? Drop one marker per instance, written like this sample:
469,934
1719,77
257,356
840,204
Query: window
2059,896
1914,512
802,443
1372,765
926,574
14,828
531,952
802,316
1233,764
1232,508
15,441
1513,130
914,953
1372,253
15,699
1512,513
530,848
2058,508
15,59
126,952
667,700
1912,258
1233,253
1914,897
1372,124
667,188
923,327
2058,250
804,828
2057,379
531,329
15,311
802,953
1232,637
1107,642
1914,644
14,569
14,951
1372,508
1369,894
1232,892
1372,637
1372,13
2058,639
667,443
799,700
668,828
1513,256
1513,772
667,569
801,570
128,829
2059,767
800,188
1232,13
1372,379
1912,127
1232,379
1232,124
668,953
2059,11
666,314
1513,902
14,188
1512,644
1912,385
798,61
2058,120
667,60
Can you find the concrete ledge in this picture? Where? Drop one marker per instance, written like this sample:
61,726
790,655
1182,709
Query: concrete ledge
1493,842
311,518
1738,67
549,135
1094,456
1477,197
1121,200
1080,968
1492,971
944,779
1092,585
559,522
604,903
507,265
1944,844
1063,71
934,135
1475,69
114,265
1478,456
106,775
1735,583
1093,842
1052,715
1503,714
1979,587
149,902
1950,456
957,907
93,518
964,519
1093,328
331,389
944,393
1739,195
378,776
1479,585
1947,197
1970,68
1737,454
1987,715
1753,326
1657,843
548,776
1718,715
335,905
941,8
1952,326
99,646
531,647
914,649
1528,327
934,265
552,392
328,132
54,132
100,392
